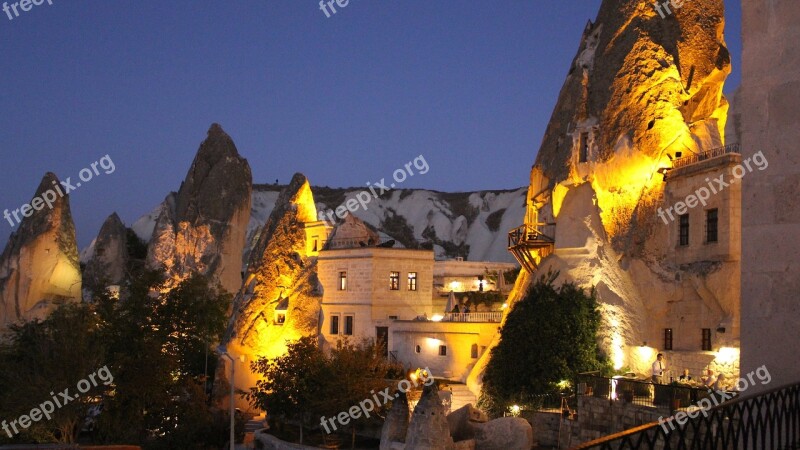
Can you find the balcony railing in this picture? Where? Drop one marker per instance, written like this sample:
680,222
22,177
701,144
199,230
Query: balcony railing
641,392
770,420
484,317
708,154
530,243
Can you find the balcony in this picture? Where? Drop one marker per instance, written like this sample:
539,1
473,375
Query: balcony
706,155
531,243
479,317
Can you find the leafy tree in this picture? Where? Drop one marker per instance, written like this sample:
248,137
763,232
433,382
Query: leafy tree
306,384
51,356
292,383
549,336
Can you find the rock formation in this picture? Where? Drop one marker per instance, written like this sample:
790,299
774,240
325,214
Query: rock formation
108,263
202,227
395,427
281,274
429,429
39,267
642,92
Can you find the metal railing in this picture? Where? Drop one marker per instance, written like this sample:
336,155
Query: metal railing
348,243
485,317
770,420
641,392
530,233
708,154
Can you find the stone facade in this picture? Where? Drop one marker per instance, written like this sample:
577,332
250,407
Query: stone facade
771,206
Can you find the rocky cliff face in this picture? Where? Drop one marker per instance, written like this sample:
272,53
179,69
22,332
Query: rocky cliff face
39,267
108,262
472,225
201,228
642,91
279,302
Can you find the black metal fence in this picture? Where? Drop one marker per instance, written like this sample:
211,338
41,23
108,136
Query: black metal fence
770,420
641,392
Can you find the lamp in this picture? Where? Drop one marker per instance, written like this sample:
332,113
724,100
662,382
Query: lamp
223,351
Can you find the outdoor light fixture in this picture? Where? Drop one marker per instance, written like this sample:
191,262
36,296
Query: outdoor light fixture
223,351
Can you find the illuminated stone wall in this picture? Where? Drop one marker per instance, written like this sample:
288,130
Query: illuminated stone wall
771,206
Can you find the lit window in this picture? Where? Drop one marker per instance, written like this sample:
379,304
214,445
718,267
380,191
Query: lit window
348,325
684,230
706,339
712,219
442,350
667,338
412,281
342,281
394,281
334,325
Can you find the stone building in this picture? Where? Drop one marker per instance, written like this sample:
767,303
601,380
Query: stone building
769,96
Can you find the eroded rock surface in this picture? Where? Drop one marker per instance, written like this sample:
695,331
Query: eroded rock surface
202,227
39,267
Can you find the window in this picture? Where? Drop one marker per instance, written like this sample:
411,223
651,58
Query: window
342,281
348,325
412,281
315,239
583,150
706,339
394,281
442,350
418,349
280,319
474,351
335,324
684,230
667,338
712,219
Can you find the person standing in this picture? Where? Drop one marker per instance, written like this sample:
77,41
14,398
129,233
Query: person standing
659,366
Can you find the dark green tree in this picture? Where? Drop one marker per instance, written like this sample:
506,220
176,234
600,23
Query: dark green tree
50,356
550,335
292,384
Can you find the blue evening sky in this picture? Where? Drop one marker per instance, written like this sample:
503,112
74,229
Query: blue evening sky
346,100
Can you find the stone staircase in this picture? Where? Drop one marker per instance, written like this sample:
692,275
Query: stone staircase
461,396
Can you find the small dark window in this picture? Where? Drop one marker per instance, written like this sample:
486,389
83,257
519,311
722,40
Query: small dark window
348,325
280,319
667,338
583,155
342,281
442,350
706,339
412,281
712,220
334,324
474,351
684,230
394,281
418,349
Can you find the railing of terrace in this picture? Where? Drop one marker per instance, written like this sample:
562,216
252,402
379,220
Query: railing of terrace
769,420
708,154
